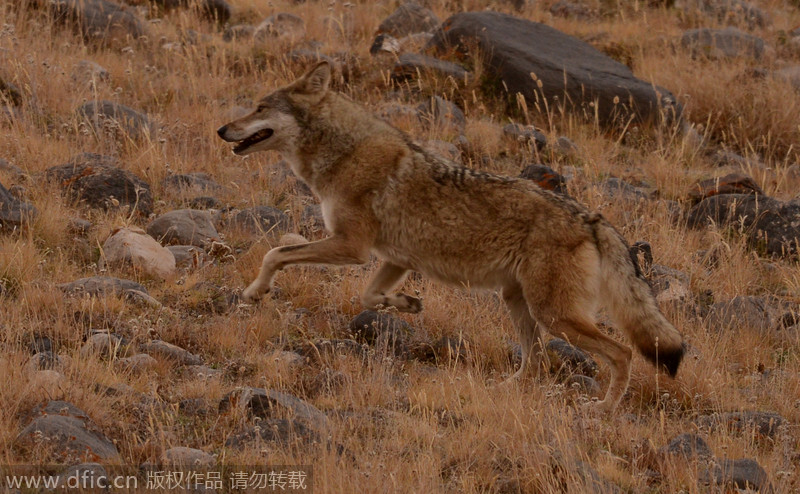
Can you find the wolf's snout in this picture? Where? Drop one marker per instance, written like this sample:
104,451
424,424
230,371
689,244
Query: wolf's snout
221,131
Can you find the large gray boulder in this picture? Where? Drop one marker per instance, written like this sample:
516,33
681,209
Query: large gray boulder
100,182
535,60
13,212
98,21
769,224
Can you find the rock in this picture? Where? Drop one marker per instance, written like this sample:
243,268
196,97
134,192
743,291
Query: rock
141,362
769,224
741,474
790,75
618,189
108,118
134,247
722,158
98,21
13,212
205,202
199,181
411,65
413,43
765,424
83,475
409,18
238,32
281,25
565,147
98,181
104,345
743,311
570,10
201,372
722,43
444,149
545,177
264,403
79,226
584,384
375,328
188,256
281,431
184,227
37,343
215,10
450,349
66,433
441,114
525,134
45,360
733,183
171,352
99,286
183,457
688,446
517,49
737,11
261,220
89,73
569,358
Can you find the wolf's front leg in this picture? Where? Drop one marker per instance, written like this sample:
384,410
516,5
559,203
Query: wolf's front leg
385,279
336,250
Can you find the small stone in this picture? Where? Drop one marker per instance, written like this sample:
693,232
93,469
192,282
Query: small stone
438,113
104,345
184,227
525,134
133,247
584,384
545,177
187,458
264,403
741,474
261,220
140,362
281,25
376,328
98,286
171,352
688,446
569,358
67,437
117,120
409,18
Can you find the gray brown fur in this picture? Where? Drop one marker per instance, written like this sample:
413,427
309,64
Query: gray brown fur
555,261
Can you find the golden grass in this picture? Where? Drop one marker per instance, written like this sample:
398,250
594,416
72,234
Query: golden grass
413,426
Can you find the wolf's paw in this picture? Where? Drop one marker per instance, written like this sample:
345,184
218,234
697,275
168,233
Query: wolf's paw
254,293
407,303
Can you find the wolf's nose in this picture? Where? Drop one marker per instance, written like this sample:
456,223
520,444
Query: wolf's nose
221,131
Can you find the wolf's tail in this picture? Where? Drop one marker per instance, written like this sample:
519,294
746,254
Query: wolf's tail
631,304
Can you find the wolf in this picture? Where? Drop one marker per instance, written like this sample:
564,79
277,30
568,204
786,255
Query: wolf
554,261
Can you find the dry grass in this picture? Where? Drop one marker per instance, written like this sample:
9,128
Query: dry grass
412,426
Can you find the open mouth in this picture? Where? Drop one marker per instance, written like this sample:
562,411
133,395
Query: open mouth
259,136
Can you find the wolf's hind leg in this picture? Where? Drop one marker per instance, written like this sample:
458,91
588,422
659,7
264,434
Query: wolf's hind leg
534,358
385,279
336,250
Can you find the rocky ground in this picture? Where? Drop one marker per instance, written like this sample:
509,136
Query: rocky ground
129,230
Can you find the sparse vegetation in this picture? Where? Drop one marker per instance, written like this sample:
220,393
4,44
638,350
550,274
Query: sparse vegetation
397,423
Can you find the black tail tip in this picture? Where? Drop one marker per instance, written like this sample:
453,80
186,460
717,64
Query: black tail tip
671,360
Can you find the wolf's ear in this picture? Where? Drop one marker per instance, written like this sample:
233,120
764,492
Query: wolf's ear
317,79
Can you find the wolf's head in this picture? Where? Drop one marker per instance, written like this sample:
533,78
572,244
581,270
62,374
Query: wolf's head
273,124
